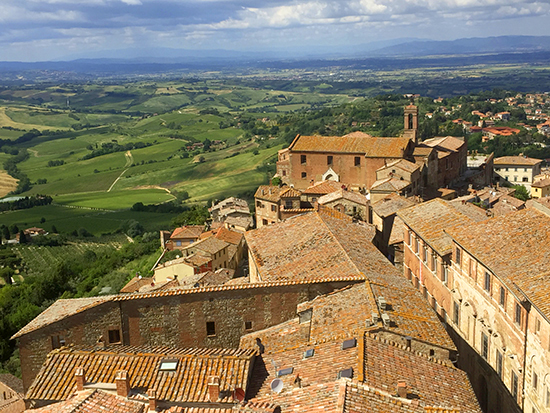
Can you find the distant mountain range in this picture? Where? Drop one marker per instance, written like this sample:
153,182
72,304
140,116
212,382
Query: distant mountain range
396,53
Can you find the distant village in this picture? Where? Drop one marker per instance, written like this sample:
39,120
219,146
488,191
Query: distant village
375,274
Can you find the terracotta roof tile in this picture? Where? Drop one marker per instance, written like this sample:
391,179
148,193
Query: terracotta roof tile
14,383
60,310
304,247
360,143
430,219
343,194
275,193
401,164
525,237
390,184
55,381
136,283
209,245
190,231
516,160
92,401
391,204
322,188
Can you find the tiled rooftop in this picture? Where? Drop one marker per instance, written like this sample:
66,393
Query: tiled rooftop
343,194
516,160
358,142
60,310
391,204
523,239
390,184
305,247
210,245
190,231
136,283
231,237
93,401
323,188
401,164
14,383
448,143
433,382
430,219
275,193
187,383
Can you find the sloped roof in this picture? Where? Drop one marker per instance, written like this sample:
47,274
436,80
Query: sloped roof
390,184
55,381
525,238
357,142
210,245
322,188
304,247
136,283
516,160
343,194
449,143
391,204
401,164
93,400
190,231
14,383
275,193
430,219
60,310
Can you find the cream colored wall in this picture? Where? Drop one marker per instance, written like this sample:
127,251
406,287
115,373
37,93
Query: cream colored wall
180,270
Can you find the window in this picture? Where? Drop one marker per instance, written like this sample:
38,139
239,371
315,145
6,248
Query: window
515,385
517,315
288,204
487,282
114,336
515,178
248,325
273,208
264,222
178,243
457,257
535,381
416,246
258,204
329,160
58,341
548,397
443,273
409,238
456,313
304,175
303,159
168,365
502,298
284,172
425,254
210,328
434,262
499,364
409,274
484,346
537,326
357,161
525,179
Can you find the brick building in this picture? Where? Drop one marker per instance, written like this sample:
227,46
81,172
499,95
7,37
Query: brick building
493,294
181,237
11,394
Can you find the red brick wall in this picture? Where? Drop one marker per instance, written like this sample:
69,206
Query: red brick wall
178,320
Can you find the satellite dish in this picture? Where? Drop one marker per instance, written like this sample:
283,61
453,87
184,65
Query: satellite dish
239,394
276,386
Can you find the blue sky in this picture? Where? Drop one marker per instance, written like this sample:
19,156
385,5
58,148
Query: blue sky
34,30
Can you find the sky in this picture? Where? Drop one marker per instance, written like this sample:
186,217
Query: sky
40,30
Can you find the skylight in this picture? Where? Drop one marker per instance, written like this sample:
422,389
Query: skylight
168,365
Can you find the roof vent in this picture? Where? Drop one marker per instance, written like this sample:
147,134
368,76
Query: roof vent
168,365
386,319
375,318
349,343
382,303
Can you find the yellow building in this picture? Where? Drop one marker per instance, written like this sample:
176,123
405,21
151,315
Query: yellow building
541,186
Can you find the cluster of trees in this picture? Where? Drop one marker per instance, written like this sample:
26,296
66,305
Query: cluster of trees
111,147
10,165
26,202
57,162
73,277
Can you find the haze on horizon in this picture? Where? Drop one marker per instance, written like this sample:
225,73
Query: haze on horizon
41,30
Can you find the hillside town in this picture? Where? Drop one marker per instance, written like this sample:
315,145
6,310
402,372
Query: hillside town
373,274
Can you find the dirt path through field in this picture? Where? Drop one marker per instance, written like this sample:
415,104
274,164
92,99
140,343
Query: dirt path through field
129,162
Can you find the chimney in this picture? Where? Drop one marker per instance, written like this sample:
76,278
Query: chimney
80,378
152,395
213,388
122,383
402,389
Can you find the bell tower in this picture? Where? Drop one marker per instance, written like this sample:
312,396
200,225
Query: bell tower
411,122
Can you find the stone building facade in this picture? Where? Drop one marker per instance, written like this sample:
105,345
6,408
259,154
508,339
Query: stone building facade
496,307
517,170
204,317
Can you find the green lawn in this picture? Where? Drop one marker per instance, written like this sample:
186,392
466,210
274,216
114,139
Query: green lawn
114,200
